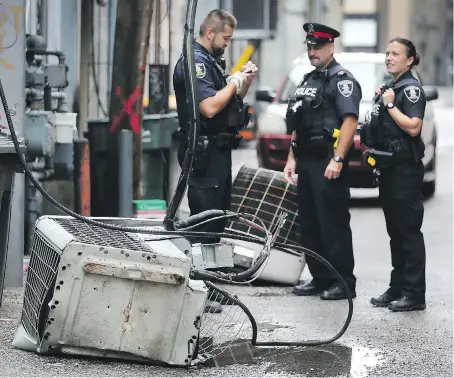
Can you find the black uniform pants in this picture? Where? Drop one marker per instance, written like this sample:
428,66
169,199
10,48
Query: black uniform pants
401,198
210,188
324,217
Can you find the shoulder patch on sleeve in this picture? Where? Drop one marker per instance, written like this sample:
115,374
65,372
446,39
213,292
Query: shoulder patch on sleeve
200,70
345,87
413,93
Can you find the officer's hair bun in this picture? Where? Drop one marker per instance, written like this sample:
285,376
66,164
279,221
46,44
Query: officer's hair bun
417,60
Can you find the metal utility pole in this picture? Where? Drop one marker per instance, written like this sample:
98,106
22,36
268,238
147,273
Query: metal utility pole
132,34
85,24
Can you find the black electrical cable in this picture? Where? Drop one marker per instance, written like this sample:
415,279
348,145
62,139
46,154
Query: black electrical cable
286,248
190,82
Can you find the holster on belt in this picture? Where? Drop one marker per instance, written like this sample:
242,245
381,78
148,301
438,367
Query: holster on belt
206,142
201,154
379,159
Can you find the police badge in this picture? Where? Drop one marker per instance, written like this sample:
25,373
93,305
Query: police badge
345,87
310,29
412,93
200,70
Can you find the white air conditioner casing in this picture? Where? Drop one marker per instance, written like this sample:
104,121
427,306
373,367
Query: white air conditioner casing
282,267
99,292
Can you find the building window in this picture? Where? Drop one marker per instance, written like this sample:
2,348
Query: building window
360,33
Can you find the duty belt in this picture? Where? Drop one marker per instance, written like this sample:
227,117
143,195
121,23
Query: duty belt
398,150
223,140
401,148
316,147
220,140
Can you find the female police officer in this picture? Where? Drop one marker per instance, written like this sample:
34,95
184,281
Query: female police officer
400,111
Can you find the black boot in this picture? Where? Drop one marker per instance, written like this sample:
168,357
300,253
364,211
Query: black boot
385,299
337,292
310,288
407,304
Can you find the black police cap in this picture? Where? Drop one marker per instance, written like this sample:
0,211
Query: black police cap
318,34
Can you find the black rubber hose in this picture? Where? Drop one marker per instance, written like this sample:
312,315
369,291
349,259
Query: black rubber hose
194,219
191,83
284,247
229,277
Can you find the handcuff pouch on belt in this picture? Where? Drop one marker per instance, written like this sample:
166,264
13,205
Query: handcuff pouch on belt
407,149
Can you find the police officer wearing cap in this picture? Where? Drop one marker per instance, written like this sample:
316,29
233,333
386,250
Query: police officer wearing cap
326,102
222,115
395,128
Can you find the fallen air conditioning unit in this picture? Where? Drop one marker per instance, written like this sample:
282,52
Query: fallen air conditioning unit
98,292
265,194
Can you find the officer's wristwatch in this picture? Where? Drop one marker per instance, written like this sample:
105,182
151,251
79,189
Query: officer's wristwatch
338,159
390,105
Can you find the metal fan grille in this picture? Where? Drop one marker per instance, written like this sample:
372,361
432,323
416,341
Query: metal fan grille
96,235
220,330
265,194
39,286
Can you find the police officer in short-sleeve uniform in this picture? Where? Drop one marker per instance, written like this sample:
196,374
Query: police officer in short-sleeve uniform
210,181
395,128
326,102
